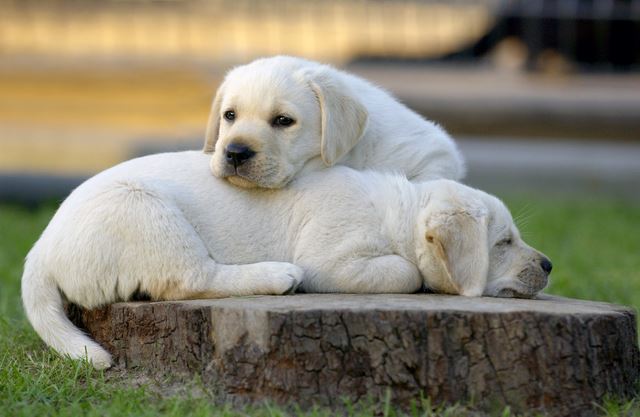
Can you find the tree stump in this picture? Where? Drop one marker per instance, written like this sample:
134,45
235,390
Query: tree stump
556,355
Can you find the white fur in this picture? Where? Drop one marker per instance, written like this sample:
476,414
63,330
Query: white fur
339,119
165,226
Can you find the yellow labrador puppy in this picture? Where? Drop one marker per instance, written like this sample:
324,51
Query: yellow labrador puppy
276,116
164,226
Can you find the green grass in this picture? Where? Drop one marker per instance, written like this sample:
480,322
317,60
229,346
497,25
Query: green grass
594,246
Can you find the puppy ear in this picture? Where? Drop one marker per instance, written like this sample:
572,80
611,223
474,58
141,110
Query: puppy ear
344,119
213,125
459,243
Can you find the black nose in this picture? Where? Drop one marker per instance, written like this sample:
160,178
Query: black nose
546,265
237,154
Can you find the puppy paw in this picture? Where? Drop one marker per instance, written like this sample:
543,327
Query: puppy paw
280,277
263,278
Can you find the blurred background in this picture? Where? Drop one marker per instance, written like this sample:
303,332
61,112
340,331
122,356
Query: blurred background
540,94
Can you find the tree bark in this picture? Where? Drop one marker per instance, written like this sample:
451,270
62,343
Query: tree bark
555,355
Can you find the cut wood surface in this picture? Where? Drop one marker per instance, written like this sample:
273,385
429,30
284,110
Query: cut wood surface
556,355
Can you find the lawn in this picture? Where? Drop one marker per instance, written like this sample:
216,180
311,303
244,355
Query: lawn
594,246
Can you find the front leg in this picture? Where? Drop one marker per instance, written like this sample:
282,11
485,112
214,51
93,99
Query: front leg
364,275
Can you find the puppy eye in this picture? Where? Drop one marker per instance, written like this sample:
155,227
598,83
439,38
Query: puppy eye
283,121
230,115
506,241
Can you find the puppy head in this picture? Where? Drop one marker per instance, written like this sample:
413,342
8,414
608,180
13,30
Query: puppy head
272,116
515,268
468,244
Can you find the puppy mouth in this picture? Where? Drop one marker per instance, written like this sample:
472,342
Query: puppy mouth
520,289
250,179
514,293
240,181
255,173
239,176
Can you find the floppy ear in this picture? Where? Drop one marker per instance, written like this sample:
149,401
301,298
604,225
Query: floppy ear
213,125
459,243
344,119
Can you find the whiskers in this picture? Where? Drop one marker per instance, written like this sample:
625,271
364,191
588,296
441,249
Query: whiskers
522,218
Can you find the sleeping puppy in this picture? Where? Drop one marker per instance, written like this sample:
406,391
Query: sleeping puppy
276,116
164,226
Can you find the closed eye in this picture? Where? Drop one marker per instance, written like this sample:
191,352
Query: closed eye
505,242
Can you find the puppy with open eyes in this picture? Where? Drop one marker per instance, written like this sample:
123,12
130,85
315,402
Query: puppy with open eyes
163,225
276,117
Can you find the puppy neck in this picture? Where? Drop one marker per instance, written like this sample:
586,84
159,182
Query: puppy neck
397,202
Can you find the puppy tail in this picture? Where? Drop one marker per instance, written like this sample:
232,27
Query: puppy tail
45,310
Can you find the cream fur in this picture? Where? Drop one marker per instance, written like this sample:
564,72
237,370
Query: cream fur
340,119
164,225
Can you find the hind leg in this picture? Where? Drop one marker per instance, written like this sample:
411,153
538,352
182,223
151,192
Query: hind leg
183,268
133,237
219,280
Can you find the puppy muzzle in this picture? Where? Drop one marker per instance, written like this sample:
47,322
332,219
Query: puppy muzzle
529,282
